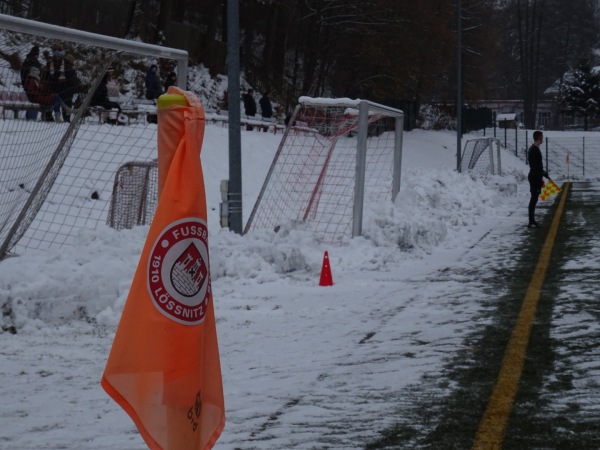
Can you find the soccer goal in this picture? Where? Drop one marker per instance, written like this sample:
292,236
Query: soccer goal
482,157
57,171
335,156
135,195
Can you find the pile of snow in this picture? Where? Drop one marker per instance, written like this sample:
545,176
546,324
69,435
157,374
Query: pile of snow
435,208
294,374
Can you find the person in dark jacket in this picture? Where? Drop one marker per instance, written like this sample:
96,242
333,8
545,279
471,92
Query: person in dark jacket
37,92
100,97
31,60
249,103
153,90
170,81
266,109
62,78
536,174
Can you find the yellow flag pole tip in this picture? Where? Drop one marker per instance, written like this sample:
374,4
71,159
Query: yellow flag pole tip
166,100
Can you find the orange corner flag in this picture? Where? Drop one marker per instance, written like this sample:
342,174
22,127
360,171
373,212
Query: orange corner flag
326,278
163,368
549,190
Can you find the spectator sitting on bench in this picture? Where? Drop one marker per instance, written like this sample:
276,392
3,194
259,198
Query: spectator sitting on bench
62,79
113,88
38,93
100,97
31,60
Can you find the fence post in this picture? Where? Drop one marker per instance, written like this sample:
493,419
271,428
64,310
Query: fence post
498,157
399,124
491,153
583,156
547,155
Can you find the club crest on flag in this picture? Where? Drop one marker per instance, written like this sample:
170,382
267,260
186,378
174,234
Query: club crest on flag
189,272
178,280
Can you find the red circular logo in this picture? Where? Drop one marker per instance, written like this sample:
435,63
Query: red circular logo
178,274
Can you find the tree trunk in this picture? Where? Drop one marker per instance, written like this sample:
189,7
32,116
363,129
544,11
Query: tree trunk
530,22
163,20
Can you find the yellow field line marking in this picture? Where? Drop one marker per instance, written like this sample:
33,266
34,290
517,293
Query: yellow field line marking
493,423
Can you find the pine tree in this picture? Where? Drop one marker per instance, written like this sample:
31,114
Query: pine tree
580,93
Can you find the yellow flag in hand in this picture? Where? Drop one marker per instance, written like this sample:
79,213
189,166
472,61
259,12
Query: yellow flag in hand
549,190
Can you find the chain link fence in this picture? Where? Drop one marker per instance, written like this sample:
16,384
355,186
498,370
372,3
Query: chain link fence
567,155
575,158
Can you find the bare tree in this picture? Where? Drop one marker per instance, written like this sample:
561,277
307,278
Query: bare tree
530,14
550,37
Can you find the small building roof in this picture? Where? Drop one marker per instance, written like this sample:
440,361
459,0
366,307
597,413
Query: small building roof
506,116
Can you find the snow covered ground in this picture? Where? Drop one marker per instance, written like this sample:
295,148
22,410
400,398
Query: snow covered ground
295,372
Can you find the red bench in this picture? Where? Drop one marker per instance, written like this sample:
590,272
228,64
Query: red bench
15,102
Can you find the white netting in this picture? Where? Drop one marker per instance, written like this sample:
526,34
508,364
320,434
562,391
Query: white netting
481,157
312,182
57,171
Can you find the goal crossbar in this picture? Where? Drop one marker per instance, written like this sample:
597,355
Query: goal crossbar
20,25
350,103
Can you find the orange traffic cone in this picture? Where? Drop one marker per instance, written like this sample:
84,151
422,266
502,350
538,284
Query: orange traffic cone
326,279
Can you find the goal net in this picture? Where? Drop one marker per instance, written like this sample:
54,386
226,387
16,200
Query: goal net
336,156
481,157
134,196
57,171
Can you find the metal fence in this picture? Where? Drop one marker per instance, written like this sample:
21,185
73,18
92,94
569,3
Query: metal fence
582,149
576,158
514,140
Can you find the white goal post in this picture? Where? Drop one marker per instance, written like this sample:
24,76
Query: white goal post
335,155
482,157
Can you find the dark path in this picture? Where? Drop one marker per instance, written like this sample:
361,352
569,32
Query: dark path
558,391
558,405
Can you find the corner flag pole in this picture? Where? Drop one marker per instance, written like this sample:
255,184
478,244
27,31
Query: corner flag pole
164,368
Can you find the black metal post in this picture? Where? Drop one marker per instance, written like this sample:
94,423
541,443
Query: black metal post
234,195
458,84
